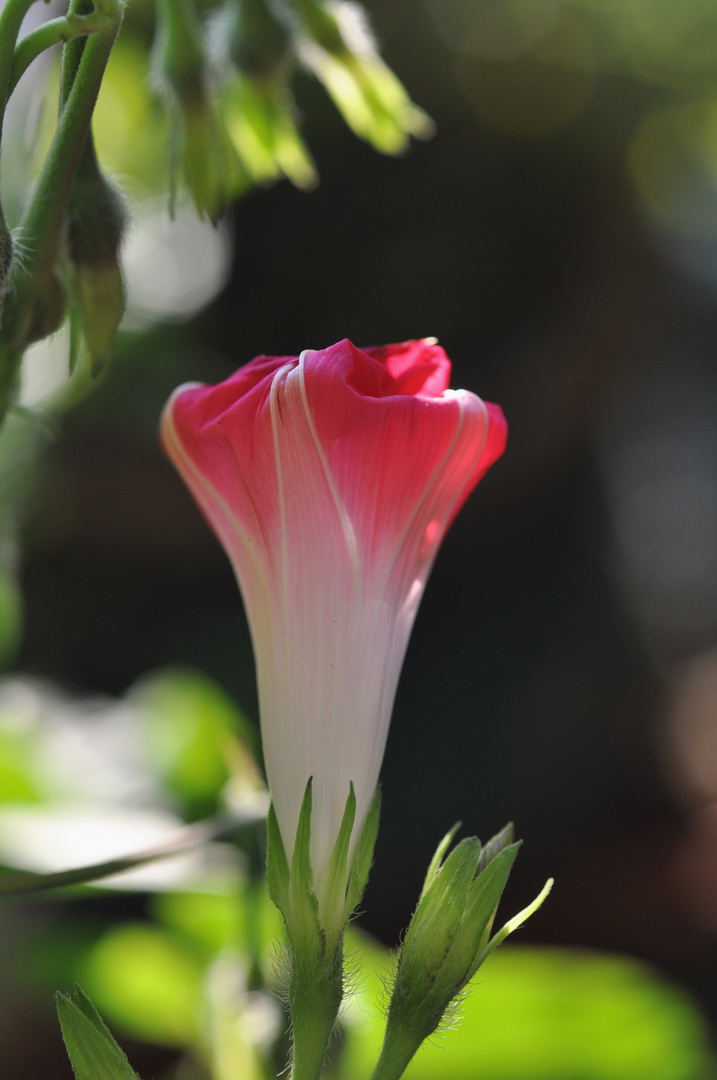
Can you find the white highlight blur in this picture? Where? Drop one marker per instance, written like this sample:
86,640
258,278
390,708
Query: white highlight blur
173,268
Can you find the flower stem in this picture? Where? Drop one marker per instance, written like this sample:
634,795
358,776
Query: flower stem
11,18
313,1015
53,32
398,1048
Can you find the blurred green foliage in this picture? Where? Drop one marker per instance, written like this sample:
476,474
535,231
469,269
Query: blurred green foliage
552,1014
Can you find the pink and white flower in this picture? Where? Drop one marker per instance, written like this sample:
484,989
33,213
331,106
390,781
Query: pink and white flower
331,479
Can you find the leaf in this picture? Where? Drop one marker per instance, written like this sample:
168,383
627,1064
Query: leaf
91,1048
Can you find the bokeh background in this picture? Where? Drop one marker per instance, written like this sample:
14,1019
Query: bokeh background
558,235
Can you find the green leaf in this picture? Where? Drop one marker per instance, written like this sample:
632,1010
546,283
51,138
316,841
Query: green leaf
364,856
91,1048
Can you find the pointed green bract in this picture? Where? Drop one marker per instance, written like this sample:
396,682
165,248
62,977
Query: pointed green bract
437,859
364,856
91,1048
512,924
331,908
277,867
302,918
440,910
487,890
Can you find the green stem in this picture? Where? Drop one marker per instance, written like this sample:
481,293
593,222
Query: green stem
41,226
398,1048
10,22
72,53
313,1015
53,32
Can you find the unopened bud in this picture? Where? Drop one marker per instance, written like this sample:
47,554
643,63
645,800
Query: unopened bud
181,78
46,307
335,42
95,226
448,939
256,42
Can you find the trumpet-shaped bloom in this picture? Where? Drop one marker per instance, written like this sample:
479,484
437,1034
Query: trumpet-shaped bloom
330,479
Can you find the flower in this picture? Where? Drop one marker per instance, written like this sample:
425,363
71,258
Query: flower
331,479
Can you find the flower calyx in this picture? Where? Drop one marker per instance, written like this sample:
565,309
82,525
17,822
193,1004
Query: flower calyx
315,922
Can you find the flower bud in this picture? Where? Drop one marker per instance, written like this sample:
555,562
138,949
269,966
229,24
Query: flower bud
258,45
95,226
45,311
255,50
334,42
448,939
181,78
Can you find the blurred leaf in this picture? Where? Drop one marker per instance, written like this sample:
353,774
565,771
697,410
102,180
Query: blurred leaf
17,765
543,1014
213,920
247,922
10,621
93,1052
210,920
192,733
149,983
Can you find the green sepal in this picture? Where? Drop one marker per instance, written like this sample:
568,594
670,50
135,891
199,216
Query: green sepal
442,908
333,894
462,960
277,867
91,1048
363,858
487,890
435,863
512,925
302,922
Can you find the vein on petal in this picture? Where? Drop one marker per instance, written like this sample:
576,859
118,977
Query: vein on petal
346,526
